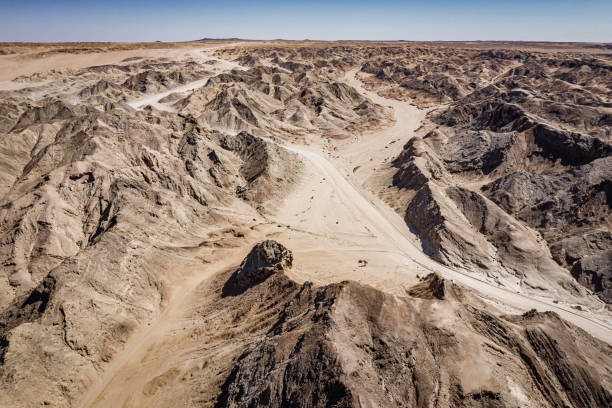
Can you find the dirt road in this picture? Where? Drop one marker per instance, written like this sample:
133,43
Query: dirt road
330,221
340,210
198,55
390,230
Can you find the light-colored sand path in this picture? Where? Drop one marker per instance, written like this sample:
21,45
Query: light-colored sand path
329,221
353,219
201,55
357,209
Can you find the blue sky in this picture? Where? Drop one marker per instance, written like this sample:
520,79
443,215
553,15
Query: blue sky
114,20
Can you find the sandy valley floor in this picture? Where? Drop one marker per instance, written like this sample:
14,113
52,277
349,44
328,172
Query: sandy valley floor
340,215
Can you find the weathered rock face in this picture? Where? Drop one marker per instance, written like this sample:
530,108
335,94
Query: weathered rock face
594,272
348,345
265,259
480,150
536,146
417,165
572,199
435,287
569,209
255,155
266,98
89,199
571,148
291,365
461,227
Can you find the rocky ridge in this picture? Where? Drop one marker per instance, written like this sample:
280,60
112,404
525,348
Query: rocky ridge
349,345
108,214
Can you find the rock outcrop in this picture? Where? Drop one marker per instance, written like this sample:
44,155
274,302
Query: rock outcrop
536,146
129,193
348,345
265,259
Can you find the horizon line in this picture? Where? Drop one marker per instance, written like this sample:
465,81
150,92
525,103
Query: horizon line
207,39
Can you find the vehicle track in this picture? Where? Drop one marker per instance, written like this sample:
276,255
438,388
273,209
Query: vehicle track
388,229
392,228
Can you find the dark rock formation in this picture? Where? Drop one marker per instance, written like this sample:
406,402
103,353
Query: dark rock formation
476,150
540,147
572,148
569,209
595,272
348,345
265,259
435,287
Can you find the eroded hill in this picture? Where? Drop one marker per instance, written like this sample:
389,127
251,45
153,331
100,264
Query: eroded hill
142,203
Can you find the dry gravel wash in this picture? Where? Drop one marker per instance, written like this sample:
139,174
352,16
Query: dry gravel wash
364,213
329,222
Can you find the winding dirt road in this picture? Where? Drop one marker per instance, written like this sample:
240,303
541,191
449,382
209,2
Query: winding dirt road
390,229
360,215
330,223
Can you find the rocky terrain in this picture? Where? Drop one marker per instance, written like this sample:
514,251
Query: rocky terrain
534,138
348,345
447,210
513,158
273,100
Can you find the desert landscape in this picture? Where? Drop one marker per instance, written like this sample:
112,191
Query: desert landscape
229,223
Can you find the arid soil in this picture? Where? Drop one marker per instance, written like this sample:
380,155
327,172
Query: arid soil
532,135
348,224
